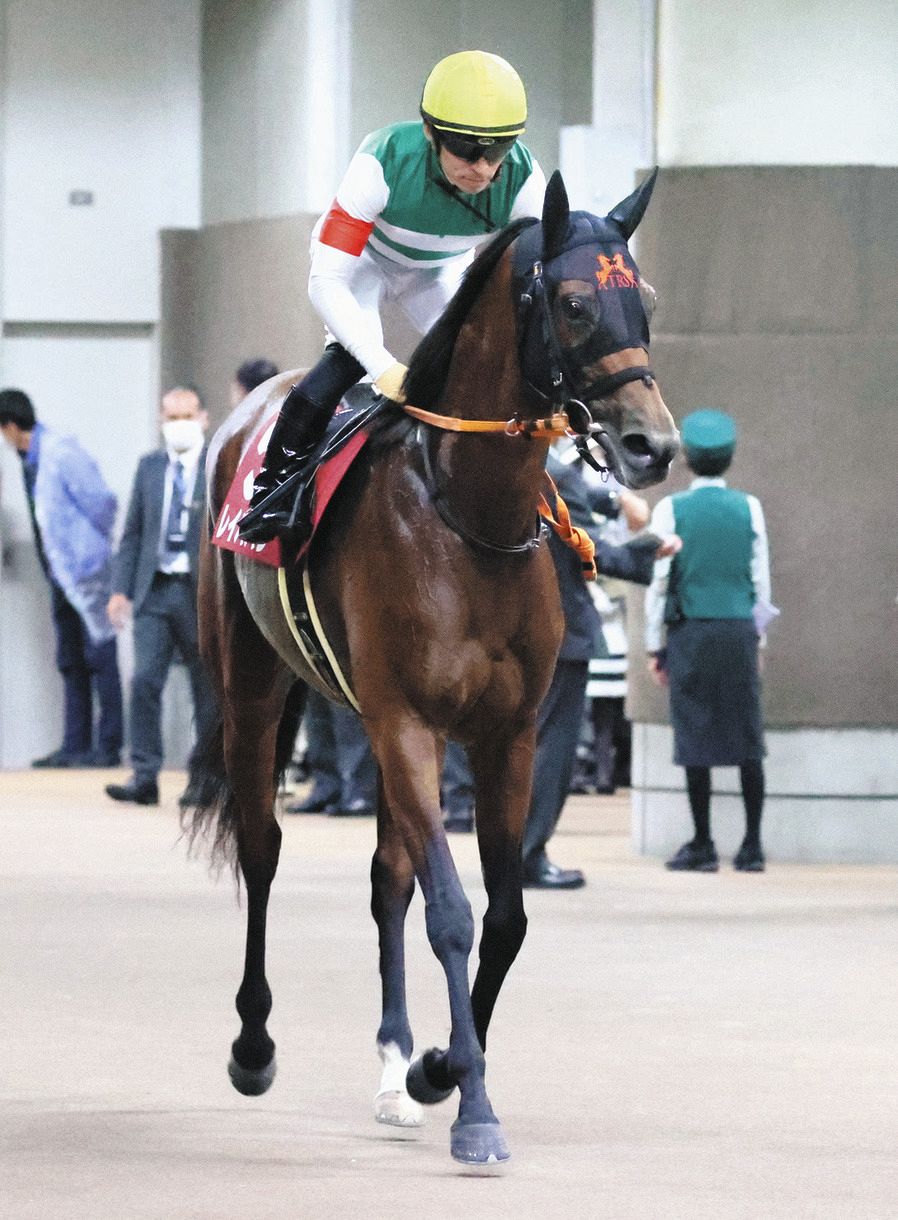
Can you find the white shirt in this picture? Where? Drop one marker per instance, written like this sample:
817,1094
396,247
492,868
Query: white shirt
190,460
662,524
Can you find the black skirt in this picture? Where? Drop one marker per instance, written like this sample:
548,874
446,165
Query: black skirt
715,692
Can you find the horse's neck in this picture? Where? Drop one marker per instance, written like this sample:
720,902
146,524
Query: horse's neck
492,481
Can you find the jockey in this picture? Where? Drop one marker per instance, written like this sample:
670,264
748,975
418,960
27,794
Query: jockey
415,203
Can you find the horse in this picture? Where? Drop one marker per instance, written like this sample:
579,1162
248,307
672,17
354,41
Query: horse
441,607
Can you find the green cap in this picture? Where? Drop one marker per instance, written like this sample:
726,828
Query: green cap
709,432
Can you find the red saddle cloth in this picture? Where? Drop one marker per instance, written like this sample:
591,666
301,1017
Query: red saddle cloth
327,478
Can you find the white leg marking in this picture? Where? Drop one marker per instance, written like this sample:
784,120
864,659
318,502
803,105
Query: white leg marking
392,1104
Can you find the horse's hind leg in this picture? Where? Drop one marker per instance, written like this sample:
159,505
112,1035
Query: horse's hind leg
250,754
252,684
392,886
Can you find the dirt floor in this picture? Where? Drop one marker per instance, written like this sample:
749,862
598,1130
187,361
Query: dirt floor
666,1045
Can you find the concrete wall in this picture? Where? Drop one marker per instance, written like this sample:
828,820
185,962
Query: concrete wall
771,239
772,83
291,87
232,291
104,98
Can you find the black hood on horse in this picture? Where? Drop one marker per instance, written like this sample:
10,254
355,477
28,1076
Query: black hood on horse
579,248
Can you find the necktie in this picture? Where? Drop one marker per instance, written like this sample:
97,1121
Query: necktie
174,534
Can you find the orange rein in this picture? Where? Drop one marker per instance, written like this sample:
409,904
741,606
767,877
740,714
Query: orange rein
555,425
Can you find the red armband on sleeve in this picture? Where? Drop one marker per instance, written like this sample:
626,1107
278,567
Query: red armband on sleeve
344,232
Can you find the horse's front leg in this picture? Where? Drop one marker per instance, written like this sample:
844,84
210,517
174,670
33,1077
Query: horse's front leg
392,887
502,776
249,757
408,757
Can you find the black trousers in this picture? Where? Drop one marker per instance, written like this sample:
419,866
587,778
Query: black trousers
166,624
557,733
87,669
341,763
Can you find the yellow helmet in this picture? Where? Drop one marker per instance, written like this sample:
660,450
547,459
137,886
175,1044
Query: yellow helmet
475,93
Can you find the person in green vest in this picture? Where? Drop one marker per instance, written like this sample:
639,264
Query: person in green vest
710,601
416,201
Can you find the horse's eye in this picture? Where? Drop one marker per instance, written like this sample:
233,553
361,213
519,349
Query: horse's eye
573,309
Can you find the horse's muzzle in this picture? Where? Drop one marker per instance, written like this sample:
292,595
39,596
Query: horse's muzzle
645,457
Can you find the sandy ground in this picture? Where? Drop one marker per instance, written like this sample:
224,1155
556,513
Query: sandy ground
665,1046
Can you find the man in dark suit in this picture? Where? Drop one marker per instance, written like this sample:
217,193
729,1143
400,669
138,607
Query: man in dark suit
155,580
561,712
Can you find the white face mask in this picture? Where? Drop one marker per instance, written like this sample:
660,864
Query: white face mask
182,434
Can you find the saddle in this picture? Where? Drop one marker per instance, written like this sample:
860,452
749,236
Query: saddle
308,489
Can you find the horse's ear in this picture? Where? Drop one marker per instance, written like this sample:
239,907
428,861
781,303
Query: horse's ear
631,210
556,217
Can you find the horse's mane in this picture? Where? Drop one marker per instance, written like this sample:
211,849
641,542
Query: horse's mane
429,365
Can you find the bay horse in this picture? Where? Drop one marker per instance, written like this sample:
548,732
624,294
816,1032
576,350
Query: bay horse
442,609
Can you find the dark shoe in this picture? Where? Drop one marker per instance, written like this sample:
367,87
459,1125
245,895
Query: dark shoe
544,875
749,858
458,821
60,758
143,792
359,808
695,857
312,804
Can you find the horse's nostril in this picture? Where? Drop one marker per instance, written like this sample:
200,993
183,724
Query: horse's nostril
643,451
639,447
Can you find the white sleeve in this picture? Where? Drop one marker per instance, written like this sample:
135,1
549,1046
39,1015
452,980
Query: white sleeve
662,524
362,195
529,199
760,551
357,329
363,192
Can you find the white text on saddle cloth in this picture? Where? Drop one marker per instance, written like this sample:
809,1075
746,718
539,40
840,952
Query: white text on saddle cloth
227,527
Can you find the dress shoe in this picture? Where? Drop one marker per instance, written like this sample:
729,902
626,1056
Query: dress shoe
60,758
542,874
137,792
458,821
359,808
749,858
313,803
695,857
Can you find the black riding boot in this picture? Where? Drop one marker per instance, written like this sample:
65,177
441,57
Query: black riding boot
301,424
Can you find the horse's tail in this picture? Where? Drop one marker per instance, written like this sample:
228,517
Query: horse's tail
208,807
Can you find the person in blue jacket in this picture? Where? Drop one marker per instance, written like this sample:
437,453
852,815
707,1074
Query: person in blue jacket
72,515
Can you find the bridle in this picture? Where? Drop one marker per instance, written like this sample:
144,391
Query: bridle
558,379
567,414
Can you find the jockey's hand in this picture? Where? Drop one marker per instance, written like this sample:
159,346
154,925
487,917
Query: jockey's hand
118,610
389,383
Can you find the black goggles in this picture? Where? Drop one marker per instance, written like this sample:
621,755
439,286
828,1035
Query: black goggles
472,148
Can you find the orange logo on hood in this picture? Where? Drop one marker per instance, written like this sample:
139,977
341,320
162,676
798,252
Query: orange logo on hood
614,272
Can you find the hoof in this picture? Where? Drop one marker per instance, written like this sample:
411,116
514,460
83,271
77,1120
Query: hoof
395,1108
249,1082
420,1087
478,1143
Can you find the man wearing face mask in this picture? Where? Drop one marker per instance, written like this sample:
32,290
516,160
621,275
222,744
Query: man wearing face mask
155,581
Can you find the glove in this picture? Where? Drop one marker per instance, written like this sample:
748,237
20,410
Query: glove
389,383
